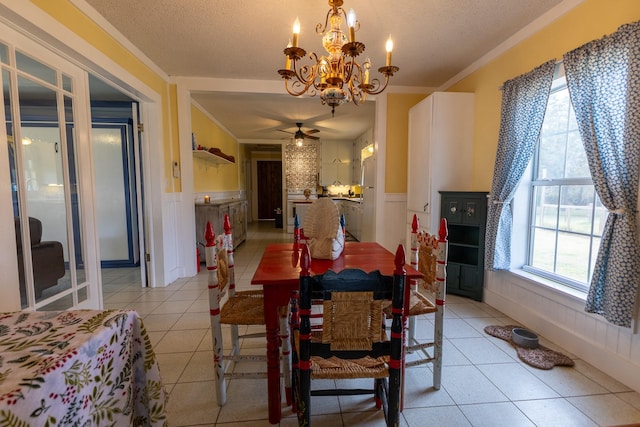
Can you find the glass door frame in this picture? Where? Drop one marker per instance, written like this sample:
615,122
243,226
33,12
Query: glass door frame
84,177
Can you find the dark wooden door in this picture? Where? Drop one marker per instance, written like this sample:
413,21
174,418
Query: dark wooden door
269,188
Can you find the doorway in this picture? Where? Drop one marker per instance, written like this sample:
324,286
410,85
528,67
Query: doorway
269,174
118,177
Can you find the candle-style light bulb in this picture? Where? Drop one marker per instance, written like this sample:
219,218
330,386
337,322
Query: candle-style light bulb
367,66
389,49
351,22
296,32
287,64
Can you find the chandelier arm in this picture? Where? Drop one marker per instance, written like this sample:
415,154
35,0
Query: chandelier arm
296,87
319,85
305,76
320,29
354,77
341,11
377,87
358,96
291,87
303,79
358,100
349,67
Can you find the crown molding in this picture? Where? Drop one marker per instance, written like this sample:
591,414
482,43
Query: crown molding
526,32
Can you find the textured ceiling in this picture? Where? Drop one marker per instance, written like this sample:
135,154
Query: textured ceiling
243,39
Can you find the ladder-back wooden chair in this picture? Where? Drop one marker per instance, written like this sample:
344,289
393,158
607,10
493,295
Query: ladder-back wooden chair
244,308
429,256
348,340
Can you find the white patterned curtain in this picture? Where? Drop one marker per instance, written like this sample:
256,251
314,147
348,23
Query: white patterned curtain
524,101
603,77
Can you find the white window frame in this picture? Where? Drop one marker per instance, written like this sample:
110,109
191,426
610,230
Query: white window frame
522,241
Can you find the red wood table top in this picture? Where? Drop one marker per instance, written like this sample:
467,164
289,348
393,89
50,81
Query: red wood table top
280,263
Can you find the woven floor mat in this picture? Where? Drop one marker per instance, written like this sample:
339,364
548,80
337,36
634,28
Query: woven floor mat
540,357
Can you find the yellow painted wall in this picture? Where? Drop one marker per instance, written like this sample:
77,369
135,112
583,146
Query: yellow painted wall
398,106
588,21
208,176
67,14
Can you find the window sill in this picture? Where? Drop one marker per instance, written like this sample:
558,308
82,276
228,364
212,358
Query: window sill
547,288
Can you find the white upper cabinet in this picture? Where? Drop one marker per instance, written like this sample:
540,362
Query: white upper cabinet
337,162
440,153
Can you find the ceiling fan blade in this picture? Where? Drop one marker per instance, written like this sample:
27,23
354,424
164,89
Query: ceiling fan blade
310,136
286,131
311,131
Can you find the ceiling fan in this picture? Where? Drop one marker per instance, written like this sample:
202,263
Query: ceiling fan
300,135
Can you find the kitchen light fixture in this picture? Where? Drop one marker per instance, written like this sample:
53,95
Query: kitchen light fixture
338,77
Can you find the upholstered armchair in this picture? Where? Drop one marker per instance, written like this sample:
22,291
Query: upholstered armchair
47,258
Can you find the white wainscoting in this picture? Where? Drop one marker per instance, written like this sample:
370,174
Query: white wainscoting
561,318
171,217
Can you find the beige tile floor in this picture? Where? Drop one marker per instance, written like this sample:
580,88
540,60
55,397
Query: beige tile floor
483,382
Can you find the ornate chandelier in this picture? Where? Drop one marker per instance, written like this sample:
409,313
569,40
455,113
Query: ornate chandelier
338,76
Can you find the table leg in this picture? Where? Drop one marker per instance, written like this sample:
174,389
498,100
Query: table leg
274,298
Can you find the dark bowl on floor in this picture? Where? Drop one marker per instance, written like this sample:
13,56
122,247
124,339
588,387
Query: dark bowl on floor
524,338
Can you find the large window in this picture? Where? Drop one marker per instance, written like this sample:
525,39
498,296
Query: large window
566,218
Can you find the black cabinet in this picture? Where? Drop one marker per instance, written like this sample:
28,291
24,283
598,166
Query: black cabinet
466,214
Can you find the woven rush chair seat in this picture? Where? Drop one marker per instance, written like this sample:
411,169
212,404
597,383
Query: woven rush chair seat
418,305
316,336
336,369
425,247
245,308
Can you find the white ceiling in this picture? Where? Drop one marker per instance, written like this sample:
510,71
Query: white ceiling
244,39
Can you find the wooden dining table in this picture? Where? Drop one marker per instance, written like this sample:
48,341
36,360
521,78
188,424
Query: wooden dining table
279,274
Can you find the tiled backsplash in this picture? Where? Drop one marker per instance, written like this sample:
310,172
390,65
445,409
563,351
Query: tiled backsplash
301,166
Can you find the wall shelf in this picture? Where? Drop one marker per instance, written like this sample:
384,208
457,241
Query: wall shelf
211,157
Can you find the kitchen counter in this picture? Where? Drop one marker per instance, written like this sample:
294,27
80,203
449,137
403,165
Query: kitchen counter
347,199
336,198
217,202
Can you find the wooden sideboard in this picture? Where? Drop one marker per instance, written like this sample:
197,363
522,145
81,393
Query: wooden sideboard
214,212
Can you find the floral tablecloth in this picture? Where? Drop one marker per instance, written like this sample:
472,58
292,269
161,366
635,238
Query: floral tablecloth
82,367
